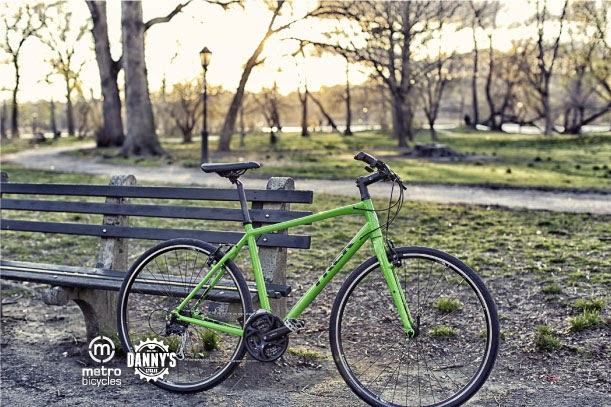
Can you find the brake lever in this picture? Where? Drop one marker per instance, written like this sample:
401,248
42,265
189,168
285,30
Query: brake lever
368,168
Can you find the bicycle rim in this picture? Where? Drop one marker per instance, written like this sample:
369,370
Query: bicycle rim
454,351
174,268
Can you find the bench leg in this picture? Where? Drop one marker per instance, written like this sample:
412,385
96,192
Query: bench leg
273,259
98,307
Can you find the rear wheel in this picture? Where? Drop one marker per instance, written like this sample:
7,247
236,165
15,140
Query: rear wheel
159,281
455,317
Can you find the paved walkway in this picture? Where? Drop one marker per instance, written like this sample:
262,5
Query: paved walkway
55,159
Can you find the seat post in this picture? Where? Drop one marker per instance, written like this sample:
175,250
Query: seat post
243,201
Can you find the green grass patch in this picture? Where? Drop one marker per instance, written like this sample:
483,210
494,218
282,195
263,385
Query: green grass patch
306,354
443,332
589,319
448,305
546,340
552,288
595,304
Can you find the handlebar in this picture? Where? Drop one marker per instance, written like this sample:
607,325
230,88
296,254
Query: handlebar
383,170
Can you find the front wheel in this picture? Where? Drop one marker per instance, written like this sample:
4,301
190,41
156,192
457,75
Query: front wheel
454,350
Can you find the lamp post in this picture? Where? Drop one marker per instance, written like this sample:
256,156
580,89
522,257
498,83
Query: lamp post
204,56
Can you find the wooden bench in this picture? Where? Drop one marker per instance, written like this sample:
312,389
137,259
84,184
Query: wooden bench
94,288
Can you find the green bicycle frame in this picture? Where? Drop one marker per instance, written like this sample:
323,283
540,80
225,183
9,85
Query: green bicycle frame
370,231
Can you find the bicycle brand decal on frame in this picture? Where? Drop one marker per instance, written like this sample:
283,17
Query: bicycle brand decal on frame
151,359
101,350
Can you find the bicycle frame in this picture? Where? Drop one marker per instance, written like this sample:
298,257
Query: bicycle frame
369,231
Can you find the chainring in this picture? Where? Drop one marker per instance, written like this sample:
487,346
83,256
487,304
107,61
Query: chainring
259,324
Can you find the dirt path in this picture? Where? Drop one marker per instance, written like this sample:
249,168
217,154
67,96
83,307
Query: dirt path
54,159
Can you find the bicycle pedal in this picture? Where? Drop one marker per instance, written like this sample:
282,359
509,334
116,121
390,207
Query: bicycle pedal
295,325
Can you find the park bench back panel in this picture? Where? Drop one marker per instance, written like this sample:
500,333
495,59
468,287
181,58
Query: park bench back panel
257,197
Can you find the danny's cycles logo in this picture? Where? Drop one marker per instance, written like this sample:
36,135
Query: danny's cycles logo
151,359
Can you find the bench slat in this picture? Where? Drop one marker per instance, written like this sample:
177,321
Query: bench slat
66,228
111,280
207,194
158,211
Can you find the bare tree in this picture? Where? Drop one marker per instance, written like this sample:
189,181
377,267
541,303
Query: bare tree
270,108
431,89
19,27
547,53
184,107
141,138
585,67
62,38
318,103
392,32
111,134
255,60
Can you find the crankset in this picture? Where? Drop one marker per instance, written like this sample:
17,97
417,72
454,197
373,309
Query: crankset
266,336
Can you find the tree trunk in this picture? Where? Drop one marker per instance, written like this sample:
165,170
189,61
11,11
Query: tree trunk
348,131
3,134
112,134
324,112
304,112
432,130
474,81
547,109
401,121
56,133
492,121
141,137
69,109
232,114
14,106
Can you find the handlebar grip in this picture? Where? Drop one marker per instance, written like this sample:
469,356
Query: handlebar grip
361,156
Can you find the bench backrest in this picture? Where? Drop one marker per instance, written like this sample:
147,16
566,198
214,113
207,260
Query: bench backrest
33,197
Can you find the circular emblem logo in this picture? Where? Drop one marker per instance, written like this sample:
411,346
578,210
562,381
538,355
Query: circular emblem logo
151,359
101,349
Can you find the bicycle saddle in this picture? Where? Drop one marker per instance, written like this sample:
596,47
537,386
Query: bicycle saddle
230,170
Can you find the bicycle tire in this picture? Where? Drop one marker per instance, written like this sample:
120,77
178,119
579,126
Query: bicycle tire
454,351
209,356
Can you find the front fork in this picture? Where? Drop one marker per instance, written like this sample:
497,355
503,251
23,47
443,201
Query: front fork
388,269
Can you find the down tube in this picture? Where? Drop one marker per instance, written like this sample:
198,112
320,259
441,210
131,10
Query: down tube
349,251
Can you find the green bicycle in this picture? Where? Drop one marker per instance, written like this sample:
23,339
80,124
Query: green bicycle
409,326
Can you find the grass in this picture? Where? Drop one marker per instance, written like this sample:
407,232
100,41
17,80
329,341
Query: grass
15,145
490,157
595,304
443,332
546,340
448,305
589,319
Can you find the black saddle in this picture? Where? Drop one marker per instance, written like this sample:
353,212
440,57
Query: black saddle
230,170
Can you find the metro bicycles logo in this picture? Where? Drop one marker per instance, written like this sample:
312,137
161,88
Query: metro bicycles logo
101,350
151,359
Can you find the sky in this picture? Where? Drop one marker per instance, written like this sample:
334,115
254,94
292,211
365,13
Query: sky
172,49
